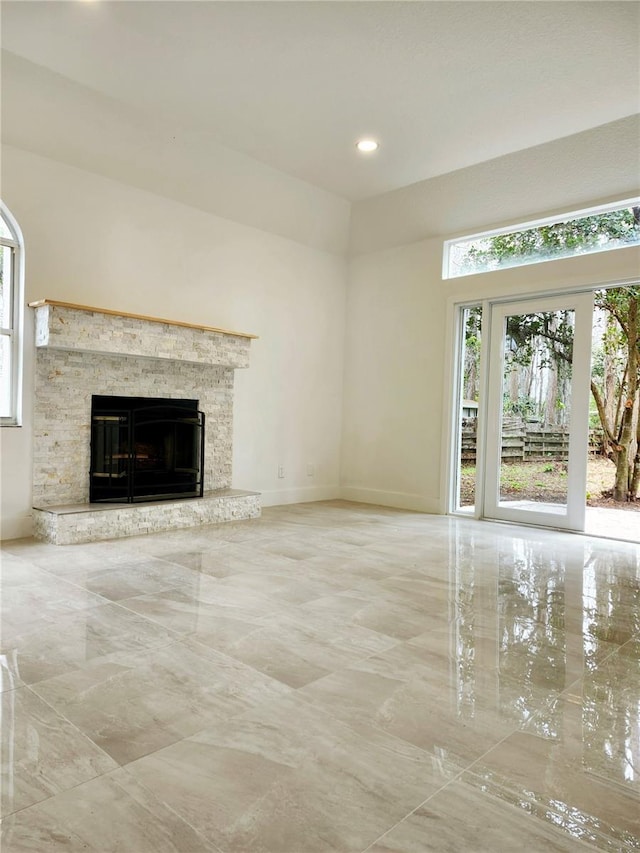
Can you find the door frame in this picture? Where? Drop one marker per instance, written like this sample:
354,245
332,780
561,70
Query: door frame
452,382
492,507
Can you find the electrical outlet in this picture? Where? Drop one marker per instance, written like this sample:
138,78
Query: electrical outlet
311,470
281,472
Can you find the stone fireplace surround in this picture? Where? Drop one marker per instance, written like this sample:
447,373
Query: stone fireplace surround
82,351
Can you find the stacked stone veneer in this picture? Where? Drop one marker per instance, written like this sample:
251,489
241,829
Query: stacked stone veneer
73,525
69,328
84,352
65,382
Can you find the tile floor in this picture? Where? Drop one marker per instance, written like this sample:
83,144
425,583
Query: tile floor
331,677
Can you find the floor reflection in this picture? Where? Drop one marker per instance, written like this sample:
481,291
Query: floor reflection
360,671
611,691
566,630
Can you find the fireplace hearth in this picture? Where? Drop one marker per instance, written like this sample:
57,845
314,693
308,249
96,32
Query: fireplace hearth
145,449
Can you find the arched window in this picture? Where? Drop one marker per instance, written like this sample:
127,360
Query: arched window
11,317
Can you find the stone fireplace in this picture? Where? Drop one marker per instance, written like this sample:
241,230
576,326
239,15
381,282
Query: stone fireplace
83,352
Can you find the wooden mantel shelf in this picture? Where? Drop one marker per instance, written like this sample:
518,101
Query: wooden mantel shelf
40,302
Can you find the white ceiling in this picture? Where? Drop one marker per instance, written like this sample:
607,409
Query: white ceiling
442,85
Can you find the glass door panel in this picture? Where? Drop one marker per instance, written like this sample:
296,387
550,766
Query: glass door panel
538,411
468,407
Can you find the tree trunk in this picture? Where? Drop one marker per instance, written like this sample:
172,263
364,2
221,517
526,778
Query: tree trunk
635,476
609,438
626,443
611,398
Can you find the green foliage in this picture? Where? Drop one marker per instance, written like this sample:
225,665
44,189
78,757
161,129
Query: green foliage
551,330
561,239
617,301
473,323
546,338
472,346
523,406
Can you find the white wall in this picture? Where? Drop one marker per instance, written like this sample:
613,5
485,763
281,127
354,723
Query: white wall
95,241
48,114
398,359
400,312
394,359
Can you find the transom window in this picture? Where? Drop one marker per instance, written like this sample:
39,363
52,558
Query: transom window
11,313
613,226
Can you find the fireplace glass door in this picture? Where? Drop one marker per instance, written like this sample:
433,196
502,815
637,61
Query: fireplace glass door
145,449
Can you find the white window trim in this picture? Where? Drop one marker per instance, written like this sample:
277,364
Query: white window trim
17,317
526,226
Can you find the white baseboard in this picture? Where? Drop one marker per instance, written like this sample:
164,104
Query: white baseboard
397,500
300,494
19,527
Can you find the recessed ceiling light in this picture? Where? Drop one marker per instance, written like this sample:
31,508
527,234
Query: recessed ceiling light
366,146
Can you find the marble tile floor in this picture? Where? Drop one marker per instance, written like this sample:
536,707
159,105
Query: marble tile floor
329,677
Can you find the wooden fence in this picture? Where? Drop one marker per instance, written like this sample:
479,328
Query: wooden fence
522,441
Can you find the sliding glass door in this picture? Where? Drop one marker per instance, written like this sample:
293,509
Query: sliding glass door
538,411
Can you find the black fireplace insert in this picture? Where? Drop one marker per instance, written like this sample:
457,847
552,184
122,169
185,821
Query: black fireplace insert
145,449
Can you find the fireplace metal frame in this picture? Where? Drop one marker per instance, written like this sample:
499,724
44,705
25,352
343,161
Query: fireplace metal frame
112,476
